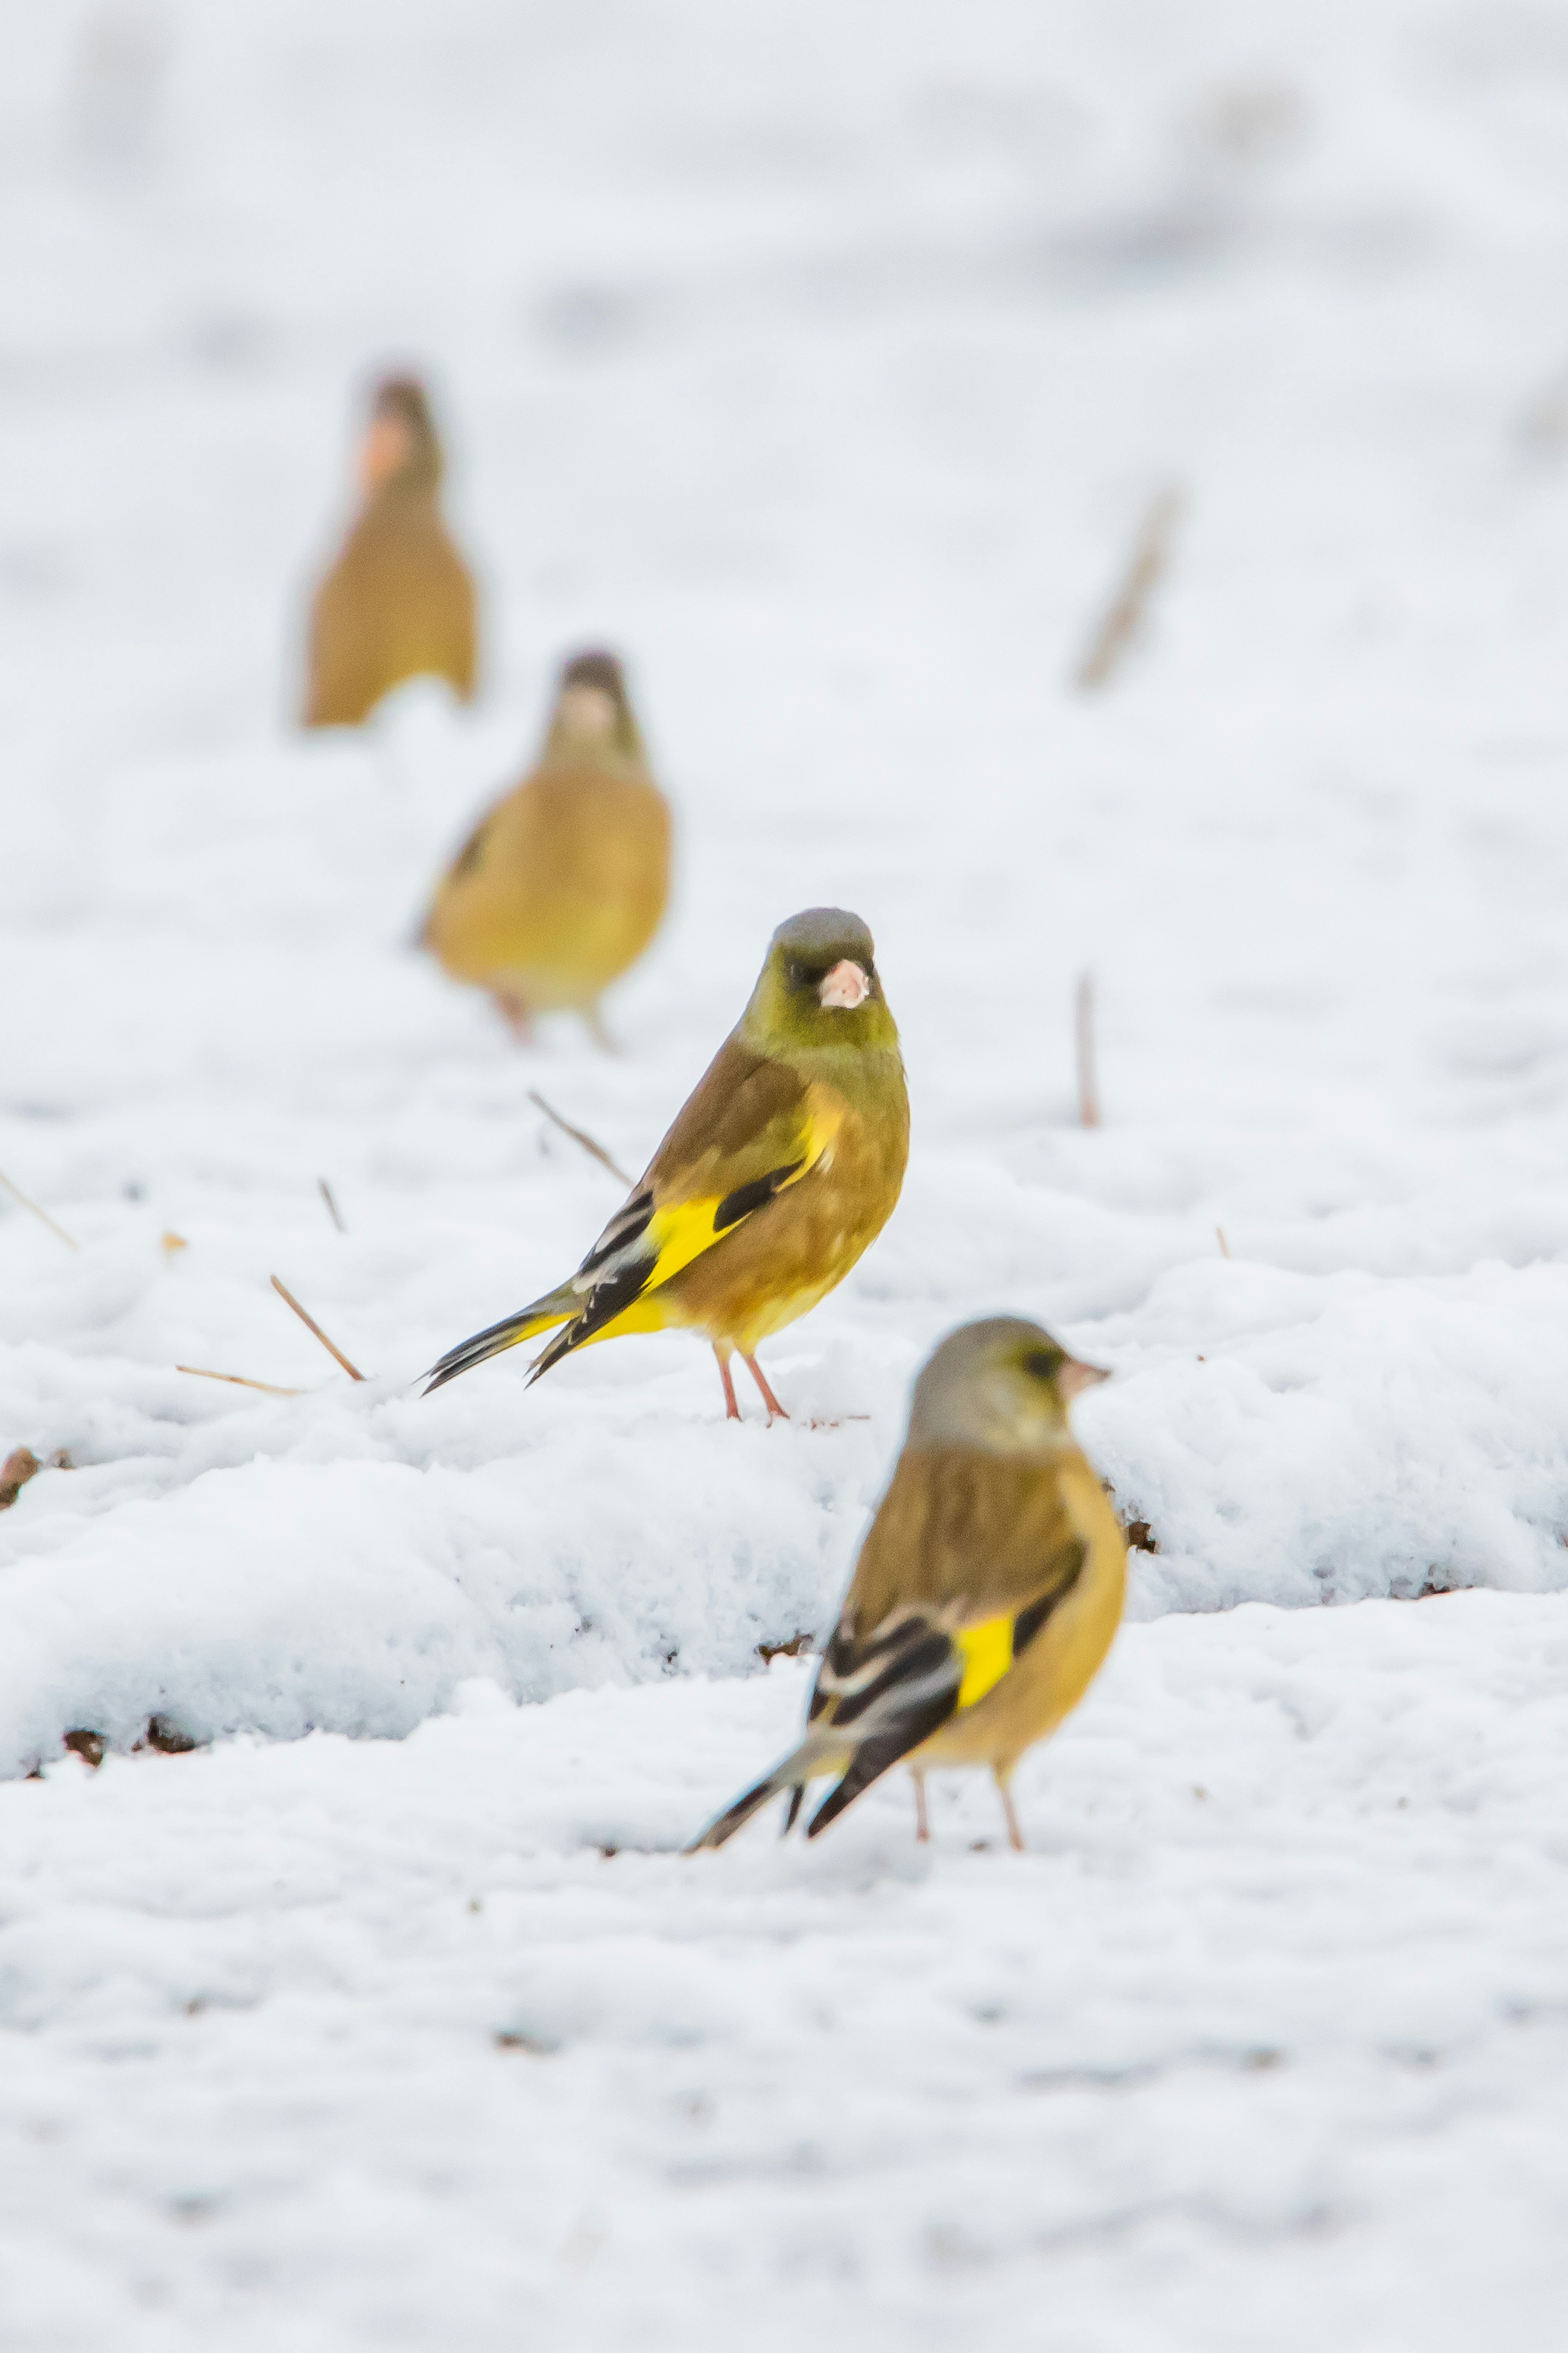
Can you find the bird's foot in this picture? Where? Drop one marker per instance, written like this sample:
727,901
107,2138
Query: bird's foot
775,1411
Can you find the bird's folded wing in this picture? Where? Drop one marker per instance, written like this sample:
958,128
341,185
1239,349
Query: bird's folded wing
914,1670
966,1560
904,1676
750,1129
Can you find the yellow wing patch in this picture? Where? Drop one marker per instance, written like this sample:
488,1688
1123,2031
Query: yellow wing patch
682,1230
679,1234
987,1653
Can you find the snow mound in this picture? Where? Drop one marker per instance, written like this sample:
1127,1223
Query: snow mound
1358,1399
830,382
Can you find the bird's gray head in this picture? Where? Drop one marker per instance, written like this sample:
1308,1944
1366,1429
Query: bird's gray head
819,988
1003,1385
593,711
401,445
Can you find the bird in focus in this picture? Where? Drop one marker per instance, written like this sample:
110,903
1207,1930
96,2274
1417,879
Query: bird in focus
399,601
562,886
986,1593
783,1166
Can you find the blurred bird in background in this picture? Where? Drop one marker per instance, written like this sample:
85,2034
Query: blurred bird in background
399,602
561,888
986,1593
783,1165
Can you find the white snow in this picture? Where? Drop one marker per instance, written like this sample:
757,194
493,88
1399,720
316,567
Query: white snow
824,358
341,2043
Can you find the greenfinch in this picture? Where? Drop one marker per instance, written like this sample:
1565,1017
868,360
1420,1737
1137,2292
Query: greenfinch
783,1166
399,601
986,1593
562,886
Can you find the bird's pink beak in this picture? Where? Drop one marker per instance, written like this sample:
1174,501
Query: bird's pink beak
846,985
1076,1376
385,450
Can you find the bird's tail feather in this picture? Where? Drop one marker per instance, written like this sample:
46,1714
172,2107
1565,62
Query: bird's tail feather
577,1327
556,1307
870,1761
796,1769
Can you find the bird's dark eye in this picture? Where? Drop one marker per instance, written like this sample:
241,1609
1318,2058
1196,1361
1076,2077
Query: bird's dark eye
1045,1364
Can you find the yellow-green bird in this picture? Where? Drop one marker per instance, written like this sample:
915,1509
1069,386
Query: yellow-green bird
399,601
986,1593
783,1166
562,885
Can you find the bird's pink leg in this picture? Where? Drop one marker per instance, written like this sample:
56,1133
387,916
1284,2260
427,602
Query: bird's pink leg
1014,1835
775,1411
515,1012
732,1410
597,1032
922,1826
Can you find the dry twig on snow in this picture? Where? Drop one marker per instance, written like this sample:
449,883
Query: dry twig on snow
1150,555
268,1388
578,1136
332,1205
1087,1069
42,1214
310,1325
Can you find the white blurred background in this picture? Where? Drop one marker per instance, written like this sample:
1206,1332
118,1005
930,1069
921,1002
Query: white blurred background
826,358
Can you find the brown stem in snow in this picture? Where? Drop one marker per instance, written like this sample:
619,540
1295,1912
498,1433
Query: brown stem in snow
1088,1070
578,1136
1120,624
42,1214
310,1325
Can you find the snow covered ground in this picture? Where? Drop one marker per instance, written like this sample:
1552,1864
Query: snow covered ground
342,2044
824,358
